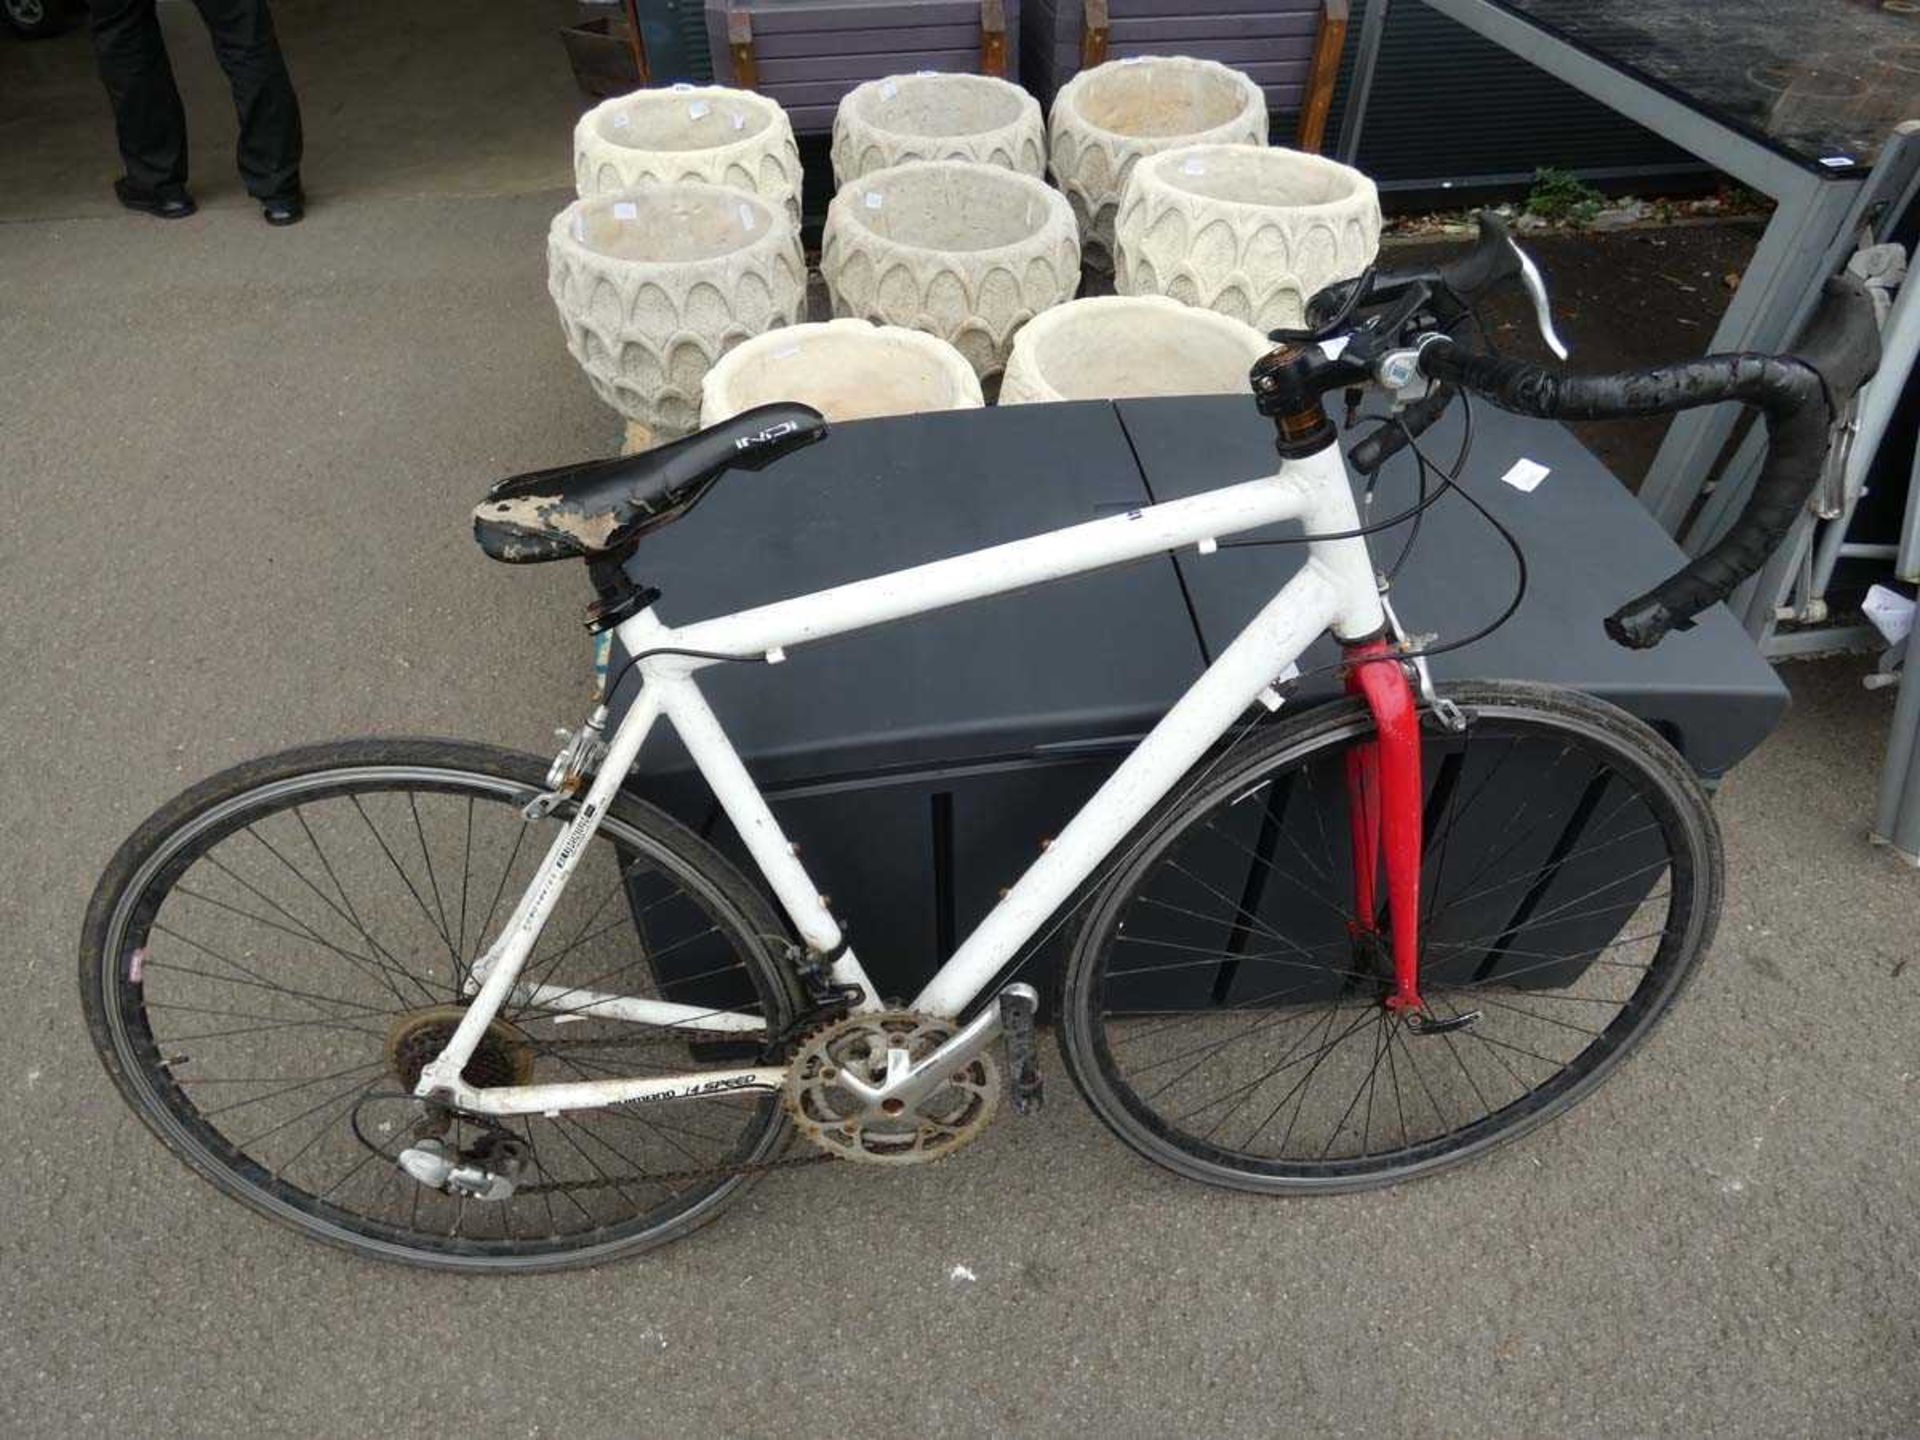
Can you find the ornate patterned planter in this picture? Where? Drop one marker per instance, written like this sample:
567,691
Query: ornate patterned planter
688,132
937,117
1105,119
845,369
1114,346
1249,232
963,251
654,285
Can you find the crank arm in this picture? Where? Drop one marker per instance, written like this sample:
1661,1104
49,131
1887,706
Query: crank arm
907,1083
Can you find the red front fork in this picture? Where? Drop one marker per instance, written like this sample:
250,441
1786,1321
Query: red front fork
1384,795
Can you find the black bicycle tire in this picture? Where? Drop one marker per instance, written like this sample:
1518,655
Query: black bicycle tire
1298,737
98,955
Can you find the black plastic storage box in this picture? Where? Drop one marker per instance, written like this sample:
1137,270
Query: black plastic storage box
920,765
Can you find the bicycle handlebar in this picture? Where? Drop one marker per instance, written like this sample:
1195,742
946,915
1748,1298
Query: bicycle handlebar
1799,396
1370,453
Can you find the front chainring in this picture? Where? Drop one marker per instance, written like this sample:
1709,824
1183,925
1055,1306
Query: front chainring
842,1124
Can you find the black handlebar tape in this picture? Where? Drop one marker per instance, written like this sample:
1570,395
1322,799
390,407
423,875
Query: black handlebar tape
1390,439
1798,395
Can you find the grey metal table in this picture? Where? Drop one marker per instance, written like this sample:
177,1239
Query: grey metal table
1795,98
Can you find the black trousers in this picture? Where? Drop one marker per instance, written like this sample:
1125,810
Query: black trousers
151,122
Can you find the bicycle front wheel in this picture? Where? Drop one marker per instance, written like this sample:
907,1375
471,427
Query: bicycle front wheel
270,961
1222,1008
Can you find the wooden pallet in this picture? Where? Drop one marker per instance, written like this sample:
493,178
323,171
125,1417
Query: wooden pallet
1289,48
807,54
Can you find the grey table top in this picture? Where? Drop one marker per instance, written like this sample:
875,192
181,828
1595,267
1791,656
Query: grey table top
1821,81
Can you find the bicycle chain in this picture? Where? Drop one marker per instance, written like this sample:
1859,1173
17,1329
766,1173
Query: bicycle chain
670,1178
667,1178
833,1004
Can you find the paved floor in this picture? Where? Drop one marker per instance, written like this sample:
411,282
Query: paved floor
236,466
398,98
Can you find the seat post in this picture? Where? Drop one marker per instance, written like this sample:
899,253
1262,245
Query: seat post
618,596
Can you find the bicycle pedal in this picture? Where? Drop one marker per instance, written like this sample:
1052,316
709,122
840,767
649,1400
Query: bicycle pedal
1017,1007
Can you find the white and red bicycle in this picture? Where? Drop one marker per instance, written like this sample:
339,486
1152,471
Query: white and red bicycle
447,1004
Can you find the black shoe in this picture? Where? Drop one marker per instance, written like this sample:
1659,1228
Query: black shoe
173,204
290,211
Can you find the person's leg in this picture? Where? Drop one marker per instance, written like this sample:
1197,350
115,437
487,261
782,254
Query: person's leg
249,51
147,115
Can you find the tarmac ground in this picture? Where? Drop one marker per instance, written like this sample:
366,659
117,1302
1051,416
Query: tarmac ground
236,466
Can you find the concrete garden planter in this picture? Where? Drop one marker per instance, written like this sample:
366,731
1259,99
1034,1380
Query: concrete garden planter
937,117
654,285
1115,346
1105,119
1249,232
845,369
963,251
689,132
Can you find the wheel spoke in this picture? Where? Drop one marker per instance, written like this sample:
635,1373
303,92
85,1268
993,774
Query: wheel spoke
347,906
405,879
269,1078
1548,831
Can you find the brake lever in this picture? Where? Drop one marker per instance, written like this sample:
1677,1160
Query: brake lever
1536,288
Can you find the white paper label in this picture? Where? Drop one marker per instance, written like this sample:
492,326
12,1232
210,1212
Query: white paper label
1193,165
1837,162
625,210
888,90
1891,613
1292,672
1332,348
873,200
697,109
1526,475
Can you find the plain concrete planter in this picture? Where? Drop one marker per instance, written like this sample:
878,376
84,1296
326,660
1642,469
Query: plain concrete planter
654,285
1106,119
1115,346
845,369
937,117
963,251
688,132
1249,232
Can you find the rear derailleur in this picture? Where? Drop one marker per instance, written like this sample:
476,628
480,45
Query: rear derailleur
488,1169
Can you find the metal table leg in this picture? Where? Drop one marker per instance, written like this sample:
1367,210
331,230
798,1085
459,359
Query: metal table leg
1774,296
1366,60
1873,207
1906,563
1896,820
1794,251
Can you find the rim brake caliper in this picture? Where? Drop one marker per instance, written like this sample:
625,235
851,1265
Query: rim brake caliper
1444,710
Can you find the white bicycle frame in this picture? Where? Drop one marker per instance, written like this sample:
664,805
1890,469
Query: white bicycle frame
1334,590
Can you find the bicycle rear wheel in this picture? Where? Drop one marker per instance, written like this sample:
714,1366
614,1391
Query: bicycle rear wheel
1222,1007
270,960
